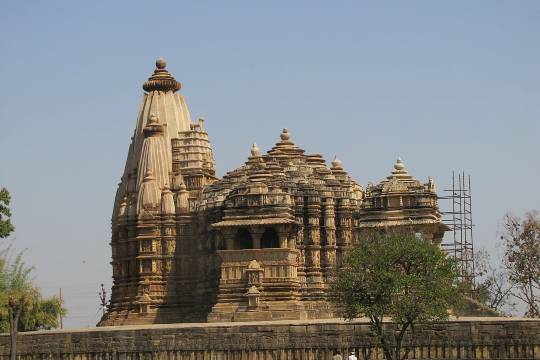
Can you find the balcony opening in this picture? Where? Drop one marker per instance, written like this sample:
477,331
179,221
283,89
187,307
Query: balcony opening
243,239
270,239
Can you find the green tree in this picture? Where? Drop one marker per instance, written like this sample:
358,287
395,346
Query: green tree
397,280
6,227
22,307
522,259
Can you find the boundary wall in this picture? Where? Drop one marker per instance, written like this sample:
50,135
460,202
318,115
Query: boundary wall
464,338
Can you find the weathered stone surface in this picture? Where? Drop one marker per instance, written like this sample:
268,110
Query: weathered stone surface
183,240
479,338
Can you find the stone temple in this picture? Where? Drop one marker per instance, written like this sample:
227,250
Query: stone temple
258,244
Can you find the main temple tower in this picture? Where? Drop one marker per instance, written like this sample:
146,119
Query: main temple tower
169,161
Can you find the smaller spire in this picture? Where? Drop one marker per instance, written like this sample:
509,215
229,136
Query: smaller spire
316,160
153,126
285,135
255,151
167,201
149,196
148,176
182,187
182,200
153,119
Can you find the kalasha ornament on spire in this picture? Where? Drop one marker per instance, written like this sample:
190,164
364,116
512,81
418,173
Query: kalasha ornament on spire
255,151
399,167
161,80
285,135
336,163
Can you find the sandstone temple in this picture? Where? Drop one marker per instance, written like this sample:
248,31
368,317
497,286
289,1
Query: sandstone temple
258,244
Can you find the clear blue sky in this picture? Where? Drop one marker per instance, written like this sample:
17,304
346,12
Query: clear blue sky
446,85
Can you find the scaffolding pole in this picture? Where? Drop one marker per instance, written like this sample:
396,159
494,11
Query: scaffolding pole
458,217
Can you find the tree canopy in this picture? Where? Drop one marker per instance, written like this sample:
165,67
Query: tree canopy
22,306
18,294
522,259
6,227
398,277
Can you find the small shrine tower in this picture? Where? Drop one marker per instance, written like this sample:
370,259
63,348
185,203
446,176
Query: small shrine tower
402,202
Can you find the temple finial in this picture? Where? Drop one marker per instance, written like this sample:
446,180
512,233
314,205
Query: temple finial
285,135
336,163
255,151
161,80
399,165
161,63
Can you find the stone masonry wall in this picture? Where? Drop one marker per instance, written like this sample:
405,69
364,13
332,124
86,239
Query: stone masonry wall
467,338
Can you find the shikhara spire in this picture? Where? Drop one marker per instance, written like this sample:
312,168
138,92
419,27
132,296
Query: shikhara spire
259,244
169,161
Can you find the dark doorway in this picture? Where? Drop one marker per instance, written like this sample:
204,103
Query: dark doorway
243,240
270,239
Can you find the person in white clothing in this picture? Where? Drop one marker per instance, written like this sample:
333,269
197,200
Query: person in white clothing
352,356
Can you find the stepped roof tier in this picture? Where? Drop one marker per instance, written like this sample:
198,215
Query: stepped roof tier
270,183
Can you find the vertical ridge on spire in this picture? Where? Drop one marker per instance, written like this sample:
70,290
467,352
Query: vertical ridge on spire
167,201
155,154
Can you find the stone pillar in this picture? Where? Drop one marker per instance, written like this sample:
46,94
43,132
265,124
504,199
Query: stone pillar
148,235
291,238
187,258
133,250
168,250
329,248
228,236
256,235
283,233
344,228
120,252
329,221
313,247
299,236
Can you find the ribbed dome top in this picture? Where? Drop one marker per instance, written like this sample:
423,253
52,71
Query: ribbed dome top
161,80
